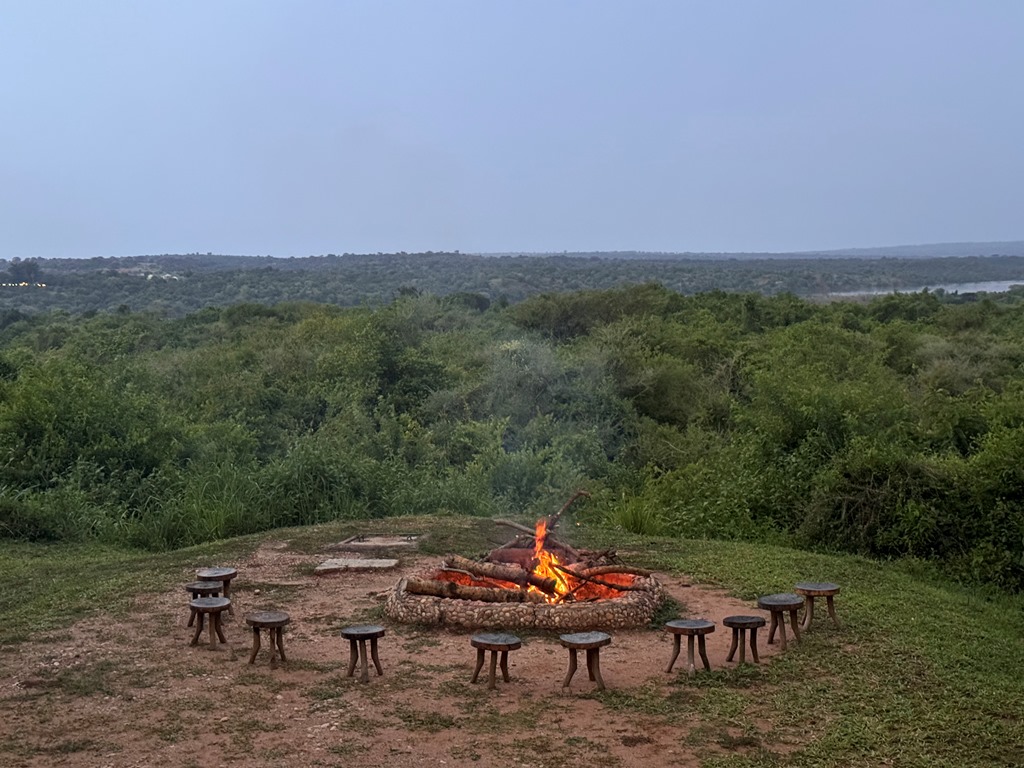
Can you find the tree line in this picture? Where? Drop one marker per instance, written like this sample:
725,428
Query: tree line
176,285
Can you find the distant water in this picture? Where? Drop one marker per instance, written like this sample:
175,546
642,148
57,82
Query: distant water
991,286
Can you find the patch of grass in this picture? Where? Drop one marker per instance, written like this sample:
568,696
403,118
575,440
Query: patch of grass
308,665
348,749
72,746
647,700
87,679
425,720
251,677
669,609
330,689
469,752
728,740
32,605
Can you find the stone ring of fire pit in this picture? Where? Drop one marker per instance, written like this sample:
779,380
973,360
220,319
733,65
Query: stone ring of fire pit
633,609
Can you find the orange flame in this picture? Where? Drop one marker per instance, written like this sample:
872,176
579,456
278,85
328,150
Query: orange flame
546,565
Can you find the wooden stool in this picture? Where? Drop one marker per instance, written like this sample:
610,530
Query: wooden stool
691,628
214,606
357,637
813,589
779,605
273,622
223,575
740,625
592,643
201,589
495,642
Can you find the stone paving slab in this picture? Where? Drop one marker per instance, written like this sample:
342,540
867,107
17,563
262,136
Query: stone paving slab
336,565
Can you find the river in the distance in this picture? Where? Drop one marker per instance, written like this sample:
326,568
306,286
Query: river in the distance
990,286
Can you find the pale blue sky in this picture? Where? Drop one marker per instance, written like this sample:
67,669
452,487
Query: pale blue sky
309,127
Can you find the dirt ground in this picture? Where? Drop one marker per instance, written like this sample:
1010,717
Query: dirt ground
131,691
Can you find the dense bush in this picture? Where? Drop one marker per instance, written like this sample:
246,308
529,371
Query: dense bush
892,429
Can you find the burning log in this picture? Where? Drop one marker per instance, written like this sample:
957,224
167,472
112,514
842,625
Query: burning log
601,570
520,556
502,573
586,577
463,592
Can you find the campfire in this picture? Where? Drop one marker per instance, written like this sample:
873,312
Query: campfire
534,581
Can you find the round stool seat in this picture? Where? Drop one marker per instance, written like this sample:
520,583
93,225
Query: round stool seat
204,588
363,632
269,619
739,626
210,604
691,628
585,641
816,588
496,641
781,602
214,607
813,589
357,637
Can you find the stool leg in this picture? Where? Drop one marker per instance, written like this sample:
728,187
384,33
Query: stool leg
191,616
676,641
491,684
353,656
795,624
808,611
572,668
832,611
781,623
735,642
220,629
212,626
691,668
504,667
594,667
743,643
753,643
772,626
365,676
256,644
227,587
479,664
375,657
280,642
703,652
199,628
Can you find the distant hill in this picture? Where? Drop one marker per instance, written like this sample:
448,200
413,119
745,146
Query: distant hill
932,250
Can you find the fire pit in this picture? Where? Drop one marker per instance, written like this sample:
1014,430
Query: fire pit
533,582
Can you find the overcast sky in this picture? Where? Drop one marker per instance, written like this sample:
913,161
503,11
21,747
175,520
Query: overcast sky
311,127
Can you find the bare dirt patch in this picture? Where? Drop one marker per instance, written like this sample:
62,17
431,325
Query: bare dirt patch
131,691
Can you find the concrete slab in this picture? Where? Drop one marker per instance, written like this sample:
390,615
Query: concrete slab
336,565
367,542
